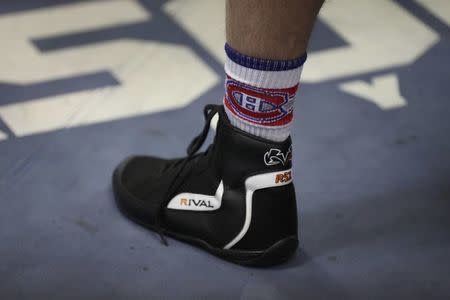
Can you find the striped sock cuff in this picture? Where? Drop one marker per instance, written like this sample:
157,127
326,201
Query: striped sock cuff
268,74
264,64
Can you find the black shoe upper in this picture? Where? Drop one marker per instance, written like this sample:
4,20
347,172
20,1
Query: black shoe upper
147,184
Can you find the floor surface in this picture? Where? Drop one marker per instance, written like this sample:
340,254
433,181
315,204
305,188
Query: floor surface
85,83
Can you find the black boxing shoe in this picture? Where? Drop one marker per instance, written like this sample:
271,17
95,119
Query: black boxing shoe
235,200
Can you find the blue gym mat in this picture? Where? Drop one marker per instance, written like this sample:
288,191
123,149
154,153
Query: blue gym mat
372,170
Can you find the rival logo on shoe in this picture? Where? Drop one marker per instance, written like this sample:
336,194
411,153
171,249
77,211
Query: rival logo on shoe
198,203
276,156
283,177
269,107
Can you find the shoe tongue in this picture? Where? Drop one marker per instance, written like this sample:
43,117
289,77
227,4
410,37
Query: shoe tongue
223,123
210,112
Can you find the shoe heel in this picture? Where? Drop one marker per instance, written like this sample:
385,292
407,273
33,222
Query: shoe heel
278,253
274,219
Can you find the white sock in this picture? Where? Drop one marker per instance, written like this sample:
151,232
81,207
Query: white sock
260,93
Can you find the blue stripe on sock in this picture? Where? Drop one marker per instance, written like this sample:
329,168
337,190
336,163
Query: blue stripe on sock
263,64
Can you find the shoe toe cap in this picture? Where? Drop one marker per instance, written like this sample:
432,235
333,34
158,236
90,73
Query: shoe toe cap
138,188
140,174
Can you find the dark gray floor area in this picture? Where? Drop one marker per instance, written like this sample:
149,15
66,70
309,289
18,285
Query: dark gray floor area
374,203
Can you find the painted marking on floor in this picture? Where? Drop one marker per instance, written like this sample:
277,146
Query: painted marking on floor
399,39
3,136
22,63
384,91
440,8
142,89
190,14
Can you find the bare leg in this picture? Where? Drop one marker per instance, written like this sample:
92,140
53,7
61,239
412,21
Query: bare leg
266,49
269,28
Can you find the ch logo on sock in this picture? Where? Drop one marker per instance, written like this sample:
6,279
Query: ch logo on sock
276,156
269,107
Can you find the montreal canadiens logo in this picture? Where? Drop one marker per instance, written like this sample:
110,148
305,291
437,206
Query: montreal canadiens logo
261,106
